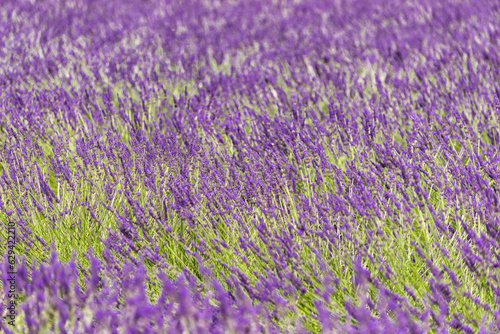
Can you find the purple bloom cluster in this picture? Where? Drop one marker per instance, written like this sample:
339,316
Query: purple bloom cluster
251,166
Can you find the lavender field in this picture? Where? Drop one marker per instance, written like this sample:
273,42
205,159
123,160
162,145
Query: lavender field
250,166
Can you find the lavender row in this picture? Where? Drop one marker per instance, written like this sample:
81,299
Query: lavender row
330,166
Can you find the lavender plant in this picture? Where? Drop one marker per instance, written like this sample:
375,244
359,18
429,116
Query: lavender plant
250,166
